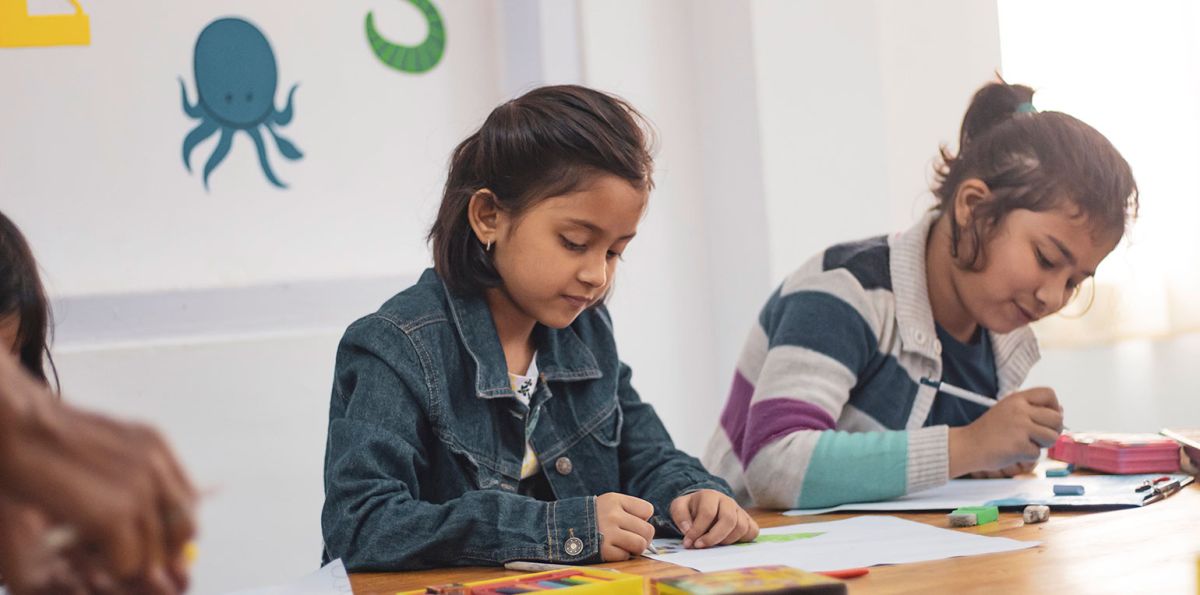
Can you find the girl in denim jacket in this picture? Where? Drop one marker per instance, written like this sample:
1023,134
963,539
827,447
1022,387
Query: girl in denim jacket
483,415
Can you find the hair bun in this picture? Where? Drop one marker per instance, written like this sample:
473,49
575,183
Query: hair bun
991,105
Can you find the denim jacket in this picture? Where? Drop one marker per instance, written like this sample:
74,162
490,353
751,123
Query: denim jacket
426,439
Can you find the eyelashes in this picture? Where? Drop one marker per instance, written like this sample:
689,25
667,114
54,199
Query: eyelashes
1043,261
572,246
1072,284
582,248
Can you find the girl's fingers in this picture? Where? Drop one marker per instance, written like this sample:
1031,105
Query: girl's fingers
681,513
739,528
752,534
638,527
705,513
726,520
627,541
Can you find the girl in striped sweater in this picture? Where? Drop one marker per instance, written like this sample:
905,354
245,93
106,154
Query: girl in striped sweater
827,404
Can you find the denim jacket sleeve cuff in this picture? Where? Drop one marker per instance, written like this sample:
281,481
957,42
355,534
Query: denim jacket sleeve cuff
571,530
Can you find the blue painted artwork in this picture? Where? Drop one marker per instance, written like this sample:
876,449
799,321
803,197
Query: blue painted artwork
236,78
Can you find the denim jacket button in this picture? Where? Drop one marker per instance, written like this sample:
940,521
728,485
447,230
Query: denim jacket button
573,546
563,466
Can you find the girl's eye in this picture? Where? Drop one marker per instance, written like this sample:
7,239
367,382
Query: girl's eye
1043,261
612,255
572,246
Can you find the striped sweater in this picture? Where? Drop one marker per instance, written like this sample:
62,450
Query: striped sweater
826,405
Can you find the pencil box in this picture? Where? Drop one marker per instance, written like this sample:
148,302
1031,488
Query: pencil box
1117,453
568,581
776,580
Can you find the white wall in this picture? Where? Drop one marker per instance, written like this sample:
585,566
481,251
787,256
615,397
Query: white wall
854,99
1134,386
696,269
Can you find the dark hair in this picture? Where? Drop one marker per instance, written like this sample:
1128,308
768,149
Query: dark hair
548,142
1031,160
22,294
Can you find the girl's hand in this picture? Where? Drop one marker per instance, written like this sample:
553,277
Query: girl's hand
1014,431
116,487
708,517
1011,471
28,562
623,522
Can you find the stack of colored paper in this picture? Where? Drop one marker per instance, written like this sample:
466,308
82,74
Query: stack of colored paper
1118,453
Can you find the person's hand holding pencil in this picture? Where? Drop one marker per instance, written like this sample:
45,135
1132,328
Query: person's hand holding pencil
1009,434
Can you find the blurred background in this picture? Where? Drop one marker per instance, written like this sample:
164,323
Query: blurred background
784,126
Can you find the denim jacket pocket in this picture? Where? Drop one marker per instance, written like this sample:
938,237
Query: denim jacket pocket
608,430
481,470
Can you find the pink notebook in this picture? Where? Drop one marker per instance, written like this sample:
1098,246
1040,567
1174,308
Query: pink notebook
1117,453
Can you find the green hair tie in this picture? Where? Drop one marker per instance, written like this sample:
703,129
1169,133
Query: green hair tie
1026,108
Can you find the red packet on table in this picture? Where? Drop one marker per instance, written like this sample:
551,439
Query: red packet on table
1117,453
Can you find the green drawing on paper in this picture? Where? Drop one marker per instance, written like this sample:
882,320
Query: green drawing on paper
782,538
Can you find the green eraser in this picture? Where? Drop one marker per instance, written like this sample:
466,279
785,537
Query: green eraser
983,514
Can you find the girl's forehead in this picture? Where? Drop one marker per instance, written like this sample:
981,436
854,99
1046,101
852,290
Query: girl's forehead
610,204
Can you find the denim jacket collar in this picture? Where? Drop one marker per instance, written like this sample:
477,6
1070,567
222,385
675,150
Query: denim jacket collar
561,355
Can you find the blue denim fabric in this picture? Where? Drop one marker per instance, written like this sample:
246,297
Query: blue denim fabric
426,440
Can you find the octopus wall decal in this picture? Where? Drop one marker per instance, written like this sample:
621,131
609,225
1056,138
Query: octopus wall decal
236,78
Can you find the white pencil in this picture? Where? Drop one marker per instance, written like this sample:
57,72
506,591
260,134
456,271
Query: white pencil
961,393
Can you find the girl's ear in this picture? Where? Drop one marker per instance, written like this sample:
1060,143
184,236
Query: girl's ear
483,213
971,192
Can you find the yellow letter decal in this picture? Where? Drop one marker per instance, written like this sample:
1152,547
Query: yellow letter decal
20,29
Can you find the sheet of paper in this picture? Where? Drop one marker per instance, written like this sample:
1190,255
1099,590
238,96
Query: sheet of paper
1099,490
836,545
331,579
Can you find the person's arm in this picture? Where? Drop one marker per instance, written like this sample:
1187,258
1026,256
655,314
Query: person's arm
651,467
115,487
374,517
818,342
683,498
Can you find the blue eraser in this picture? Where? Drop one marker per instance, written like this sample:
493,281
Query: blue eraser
1059,472
1064,489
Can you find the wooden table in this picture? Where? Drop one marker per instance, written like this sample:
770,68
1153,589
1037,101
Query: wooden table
1145,550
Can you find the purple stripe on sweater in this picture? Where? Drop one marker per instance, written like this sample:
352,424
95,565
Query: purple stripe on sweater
733,418
774,418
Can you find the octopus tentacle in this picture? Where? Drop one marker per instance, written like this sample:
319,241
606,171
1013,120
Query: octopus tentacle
195,137
286,147
191,110
282,118
219,154
262,157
